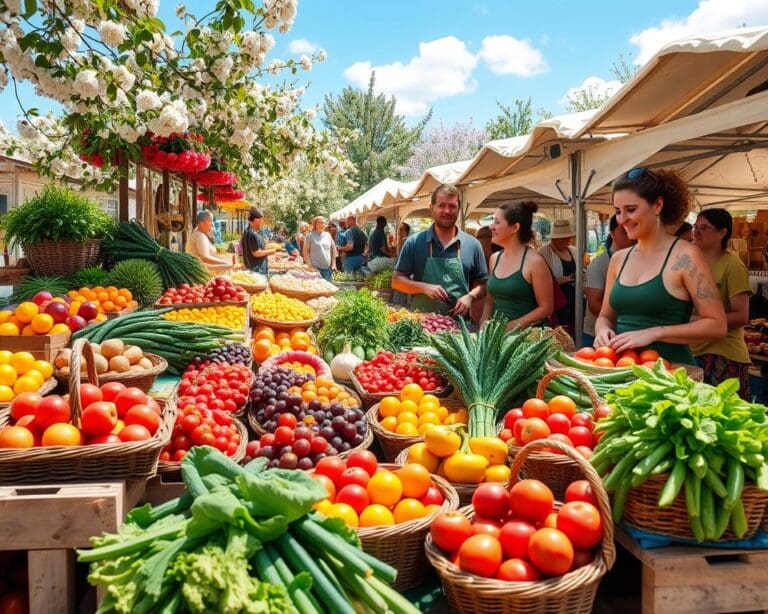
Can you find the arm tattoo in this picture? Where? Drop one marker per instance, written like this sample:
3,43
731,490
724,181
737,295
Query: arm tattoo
705,291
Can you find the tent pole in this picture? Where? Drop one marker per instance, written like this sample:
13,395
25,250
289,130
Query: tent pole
580,218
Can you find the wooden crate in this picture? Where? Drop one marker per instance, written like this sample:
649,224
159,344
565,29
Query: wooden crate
690,579
42,347
49,521
164,487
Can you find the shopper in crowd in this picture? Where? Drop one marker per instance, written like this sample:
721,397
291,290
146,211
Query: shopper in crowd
727,357
200,246
594,284
332,230
304,229
252,244
354,248
403,231
377,242
653,287
341,241
685,232
442,267
319,249
484,236
519,287
560,255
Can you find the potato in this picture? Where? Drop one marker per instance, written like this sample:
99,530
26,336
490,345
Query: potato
62,359
102,364
65,371
136,368
145,363
133,353
119,364
112,347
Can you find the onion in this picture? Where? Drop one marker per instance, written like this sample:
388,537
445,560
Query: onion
343,363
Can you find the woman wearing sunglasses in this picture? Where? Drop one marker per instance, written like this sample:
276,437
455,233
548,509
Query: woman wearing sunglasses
653,288
727,357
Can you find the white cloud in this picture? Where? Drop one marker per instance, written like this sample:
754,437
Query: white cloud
443,68
597,86
302,45
708,17
507,55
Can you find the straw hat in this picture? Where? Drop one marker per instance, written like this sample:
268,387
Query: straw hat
562,229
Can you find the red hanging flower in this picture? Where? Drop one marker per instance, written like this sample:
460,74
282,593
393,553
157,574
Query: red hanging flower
215,178
225,194
184,153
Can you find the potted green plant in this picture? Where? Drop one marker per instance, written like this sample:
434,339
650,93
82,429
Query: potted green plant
60,230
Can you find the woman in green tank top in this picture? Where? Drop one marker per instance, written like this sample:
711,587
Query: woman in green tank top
653,287
520,285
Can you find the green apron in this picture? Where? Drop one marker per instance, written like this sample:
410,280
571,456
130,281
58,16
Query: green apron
445,272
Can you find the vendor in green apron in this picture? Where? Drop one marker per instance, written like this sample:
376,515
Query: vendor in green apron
653,288
442,267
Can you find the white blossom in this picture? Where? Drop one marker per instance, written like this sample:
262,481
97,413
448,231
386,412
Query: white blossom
128,133
147,101
173,118
26,129
112,33
124,78
87,84
275,66
70,40
181,11
306,62
222,67
3,79
13,6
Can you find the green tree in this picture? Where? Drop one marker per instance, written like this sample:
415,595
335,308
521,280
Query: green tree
623,70
590,97
515,119
377,139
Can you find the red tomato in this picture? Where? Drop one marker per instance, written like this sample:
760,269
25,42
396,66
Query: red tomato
284,436
480,555
487,526
332,466
531,500
267,439
330,487
128,398
111,389
626,361
144,415
558,423
533,429
580,490
604,362
433,496
582,556
585,353
512,416
517,570
189,422
24,404
354,475
630,354
535,408
606,352
550,521
514,538
90,394
355,496
364,459
506,434
551,552
562,439
287,419
491,501
582,419
98,418
604,411
581,436
108,438
449,530
562,404
648,356
51,410
517,429
134,432
581,522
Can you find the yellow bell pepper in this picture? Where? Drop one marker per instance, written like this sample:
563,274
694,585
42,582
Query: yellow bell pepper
418,453
465,468
442,441
497,473
492,448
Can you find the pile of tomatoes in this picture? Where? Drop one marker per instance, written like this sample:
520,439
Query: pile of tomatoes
556,419
217,290
199,426
389,372
217,386
111,414
517,535
607,357
363,494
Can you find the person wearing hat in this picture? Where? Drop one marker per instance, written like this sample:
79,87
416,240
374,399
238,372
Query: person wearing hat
561,258
319,250
253,246
201,247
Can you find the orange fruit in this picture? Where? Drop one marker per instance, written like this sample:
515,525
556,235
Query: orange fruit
125,293
42,323
442,412
265,333
429,398
120,302
424,428
261,349
389,424
26,311
22,362
408,509
102,296
62,434
428,407
16,437
409,407
283,337
60,328
108,306
74,306
6,394
407,416
35,375
416,480
8,375
384,488
27,331
428,418
407,428
26,384
8,329
322,380
345,512
389,406
5,314
5,357
44,367
412,392
376,515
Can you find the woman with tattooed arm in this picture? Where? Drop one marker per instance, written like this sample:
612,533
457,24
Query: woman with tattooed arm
653,287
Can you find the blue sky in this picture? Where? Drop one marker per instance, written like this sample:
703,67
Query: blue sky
460,56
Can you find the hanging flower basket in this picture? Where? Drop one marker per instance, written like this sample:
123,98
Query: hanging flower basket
215,178
226,194
91,150
184,153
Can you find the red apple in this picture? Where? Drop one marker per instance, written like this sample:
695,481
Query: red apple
58,311
88,310
75,323
98,419
42,296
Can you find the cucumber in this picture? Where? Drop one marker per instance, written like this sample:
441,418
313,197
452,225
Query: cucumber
359,352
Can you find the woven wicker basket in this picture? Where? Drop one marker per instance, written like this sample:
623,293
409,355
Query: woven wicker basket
48,386
88,463
572,593
251,288
642,511
391,443
302,295
402,545
372,398
138,379
280,325
62,258
555,470
238,456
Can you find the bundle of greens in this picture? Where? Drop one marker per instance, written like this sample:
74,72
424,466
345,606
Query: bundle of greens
379,281
359,319
405,335
131,240
32,284
242,539
491,369
706,439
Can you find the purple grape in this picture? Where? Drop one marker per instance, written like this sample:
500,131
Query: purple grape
305,463
288,461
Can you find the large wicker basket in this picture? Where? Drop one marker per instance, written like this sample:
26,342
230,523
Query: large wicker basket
281,325
62,258
138,379
391,443
175,466
642,511
556,470
372,398
88,463
572,593
402,545
303,295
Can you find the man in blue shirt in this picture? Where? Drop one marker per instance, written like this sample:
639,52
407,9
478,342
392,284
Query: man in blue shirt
442,267
355,246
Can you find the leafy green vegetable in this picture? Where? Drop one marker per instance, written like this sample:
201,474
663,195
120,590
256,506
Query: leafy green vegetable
379,281
359,317
283,492
405,335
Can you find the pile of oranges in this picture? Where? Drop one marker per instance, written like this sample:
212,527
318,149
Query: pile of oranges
414,412
27,319
108,300
324,390
21,372
268,342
